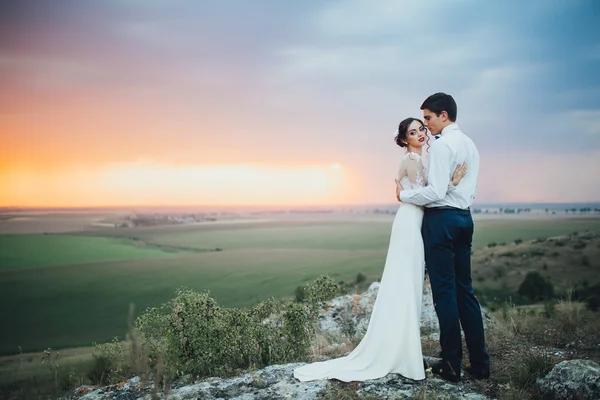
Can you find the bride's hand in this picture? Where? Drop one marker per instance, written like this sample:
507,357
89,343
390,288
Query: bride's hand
398,189
459,173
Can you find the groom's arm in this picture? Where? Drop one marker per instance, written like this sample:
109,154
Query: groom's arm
440,164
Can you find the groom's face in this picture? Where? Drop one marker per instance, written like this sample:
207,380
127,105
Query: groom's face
433,122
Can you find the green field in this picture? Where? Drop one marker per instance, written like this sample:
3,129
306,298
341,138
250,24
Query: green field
65,290
36,251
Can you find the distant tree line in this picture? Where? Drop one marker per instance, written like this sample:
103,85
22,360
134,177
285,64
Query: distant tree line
583,210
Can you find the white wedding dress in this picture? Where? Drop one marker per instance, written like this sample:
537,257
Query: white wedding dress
392,343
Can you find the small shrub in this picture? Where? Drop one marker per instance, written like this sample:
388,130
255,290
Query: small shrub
348,323
531,366
593,302
499,272
110,363
590,295
360,278
585,261
585,283
518,241
337,390
100,370
535,287
258,382
493,244
549,309
568,316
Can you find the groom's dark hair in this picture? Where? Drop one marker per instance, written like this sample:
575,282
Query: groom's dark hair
439,102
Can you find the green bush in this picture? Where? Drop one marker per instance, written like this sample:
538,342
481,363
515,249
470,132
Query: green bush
360,278
589,295
549,309
585,261
532,365
110,363
192,334
535,287
101,370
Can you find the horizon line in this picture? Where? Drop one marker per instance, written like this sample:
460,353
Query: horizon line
84,207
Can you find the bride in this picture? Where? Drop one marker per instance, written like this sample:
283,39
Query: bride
392,343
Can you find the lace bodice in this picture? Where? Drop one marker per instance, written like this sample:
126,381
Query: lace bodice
412,174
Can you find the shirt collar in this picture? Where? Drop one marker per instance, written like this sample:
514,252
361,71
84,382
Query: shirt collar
451,127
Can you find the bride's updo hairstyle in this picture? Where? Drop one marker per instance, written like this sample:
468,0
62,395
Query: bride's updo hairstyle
402,131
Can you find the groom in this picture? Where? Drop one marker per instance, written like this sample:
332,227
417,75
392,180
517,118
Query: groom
447,235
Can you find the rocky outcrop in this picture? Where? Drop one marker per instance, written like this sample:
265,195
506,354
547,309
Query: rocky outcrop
349,315
573,379
277,382
345,316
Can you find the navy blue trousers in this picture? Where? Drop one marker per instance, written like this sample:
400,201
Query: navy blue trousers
447,236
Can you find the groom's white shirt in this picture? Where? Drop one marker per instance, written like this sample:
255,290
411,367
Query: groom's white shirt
453,148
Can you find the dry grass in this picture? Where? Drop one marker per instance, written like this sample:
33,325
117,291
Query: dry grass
526,342
328,345
337,390
566,261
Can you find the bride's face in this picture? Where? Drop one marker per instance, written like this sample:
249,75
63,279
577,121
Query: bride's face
416,134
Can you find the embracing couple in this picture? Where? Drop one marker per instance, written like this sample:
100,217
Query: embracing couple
433,227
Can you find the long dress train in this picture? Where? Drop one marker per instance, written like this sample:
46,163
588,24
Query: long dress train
392,343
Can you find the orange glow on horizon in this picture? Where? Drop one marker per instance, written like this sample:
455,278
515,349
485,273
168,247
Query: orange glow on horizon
150,183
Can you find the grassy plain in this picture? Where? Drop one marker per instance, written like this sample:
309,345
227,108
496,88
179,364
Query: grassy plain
39,251
336,234
74,289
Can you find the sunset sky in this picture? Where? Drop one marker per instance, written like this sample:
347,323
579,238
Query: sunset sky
147,102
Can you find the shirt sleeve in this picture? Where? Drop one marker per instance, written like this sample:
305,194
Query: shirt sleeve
440,163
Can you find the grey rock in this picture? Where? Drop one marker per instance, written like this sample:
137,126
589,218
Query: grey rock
273,382
394,386
277,382
356,310
572,379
